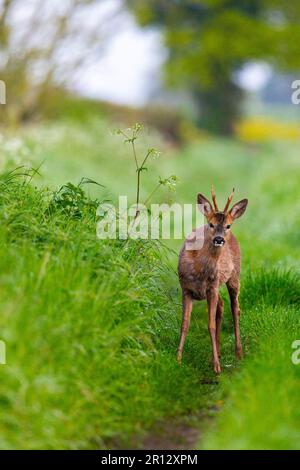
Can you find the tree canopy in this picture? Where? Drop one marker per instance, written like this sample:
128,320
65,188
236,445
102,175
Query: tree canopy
210,40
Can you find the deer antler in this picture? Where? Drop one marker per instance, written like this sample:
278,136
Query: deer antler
229,201
213,195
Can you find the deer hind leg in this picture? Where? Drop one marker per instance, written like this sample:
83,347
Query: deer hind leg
187,305
233,290
219,316
212,301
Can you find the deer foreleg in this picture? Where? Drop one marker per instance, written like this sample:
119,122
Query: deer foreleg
212,301
219,316
187,305
235,309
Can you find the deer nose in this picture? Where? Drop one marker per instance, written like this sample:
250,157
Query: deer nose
218,241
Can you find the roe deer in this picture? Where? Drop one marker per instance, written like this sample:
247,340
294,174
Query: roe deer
204,268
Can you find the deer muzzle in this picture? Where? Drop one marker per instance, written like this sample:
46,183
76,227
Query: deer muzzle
218,241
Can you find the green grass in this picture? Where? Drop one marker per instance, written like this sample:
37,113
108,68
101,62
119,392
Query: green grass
91,327
90,330
262,403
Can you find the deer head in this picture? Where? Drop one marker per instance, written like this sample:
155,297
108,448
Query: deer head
220,222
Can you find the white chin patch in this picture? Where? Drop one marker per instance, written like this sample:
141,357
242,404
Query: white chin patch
219,245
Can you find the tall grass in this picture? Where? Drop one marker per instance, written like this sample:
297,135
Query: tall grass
91,327
262,405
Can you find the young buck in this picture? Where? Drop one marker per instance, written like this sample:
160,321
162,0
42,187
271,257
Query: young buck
209,258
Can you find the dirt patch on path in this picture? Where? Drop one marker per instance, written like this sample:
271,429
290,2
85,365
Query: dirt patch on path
173,435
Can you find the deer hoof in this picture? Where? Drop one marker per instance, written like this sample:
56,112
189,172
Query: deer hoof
217,368
179,357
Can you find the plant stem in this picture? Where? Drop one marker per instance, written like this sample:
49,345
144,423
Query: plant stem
134,154
145,159
139,170
151,194
138,191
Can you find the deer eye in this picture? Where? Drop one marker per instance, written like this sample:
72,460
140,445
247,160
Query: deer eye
228,226
211,225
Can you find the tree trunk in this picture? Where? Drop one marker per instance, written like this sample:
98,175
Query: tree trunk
219,107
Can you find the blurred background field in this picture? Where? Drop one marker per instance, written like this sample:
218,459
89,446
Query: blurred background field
91,326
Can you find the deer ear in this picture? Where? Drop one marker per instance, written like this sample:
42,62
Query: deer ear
238,209
204,205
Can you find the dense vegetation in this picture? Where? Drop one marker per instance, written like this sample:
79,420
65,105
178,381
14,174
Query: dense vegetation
91,327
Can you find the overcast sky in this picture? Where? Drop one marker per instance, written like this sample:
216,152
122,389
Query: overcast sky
131,58
125,72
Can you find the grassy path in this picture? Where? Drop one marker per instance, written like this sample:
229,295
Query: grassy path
253,405
180,434
88,368
91,328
